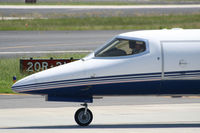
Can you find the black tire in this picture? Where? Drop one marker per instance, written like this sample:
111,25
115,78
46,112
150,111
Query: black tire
82,120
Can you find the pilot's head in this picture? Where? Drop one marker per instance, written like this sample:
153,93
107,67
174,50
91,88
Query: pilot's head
135,44
138,46
132,44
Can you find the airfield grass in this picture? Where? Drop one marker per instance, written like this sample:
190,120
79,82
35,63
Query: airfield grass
105,23
10,67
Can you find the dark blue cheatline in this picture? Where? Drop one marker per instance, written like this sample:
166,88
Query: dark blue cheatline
89,81
180,82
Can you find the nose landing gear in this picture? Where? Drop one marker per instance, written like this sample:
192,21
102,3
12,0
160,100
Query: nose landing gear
83,116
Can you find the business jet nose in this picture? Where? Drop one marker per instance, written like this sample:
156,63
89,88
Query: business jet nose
50,78
21,84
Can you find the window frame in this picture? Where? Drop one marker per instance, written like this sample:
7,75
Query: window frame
126,56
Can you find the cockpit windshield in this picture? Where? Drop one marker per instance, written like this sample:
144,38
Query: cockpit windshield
121,47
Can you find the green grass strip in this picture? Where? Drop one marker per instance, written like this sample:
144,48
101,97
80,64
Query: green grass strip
10,67
104,23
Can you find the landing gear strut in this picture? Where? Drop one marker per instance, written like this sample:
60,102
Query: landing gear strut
83,116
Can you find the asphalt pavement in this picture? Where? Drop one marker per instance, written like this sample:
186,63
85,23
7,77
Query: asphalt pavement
26,43
126,1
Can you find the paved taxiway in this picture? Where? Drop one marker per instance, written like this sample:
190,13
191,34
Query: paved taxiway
35,101
26,42
23,113
76,11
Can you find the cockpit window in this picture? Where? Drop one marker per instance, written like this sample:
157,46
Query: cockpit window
122,47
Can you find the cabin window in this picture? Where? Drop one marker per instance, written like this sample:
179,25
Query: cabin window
122,47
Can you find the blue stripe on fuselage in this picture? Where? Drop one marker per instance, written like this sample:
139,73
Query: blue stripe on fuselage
135,84
132,88
89,81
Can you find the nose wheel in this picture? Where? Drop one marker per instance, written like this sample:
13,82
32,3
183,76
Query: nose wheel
83,116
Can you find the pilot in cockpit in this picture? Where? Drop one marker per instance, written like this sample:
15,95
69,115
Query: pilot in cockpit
136,46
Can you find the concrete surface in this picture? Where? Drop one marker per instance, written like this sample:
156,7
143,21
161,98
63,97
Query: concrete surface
35,101
28,113
165,118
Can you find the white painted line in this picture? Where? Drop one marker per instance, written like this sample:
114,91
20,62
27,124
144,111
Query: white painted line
47,52
98,7
18,18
